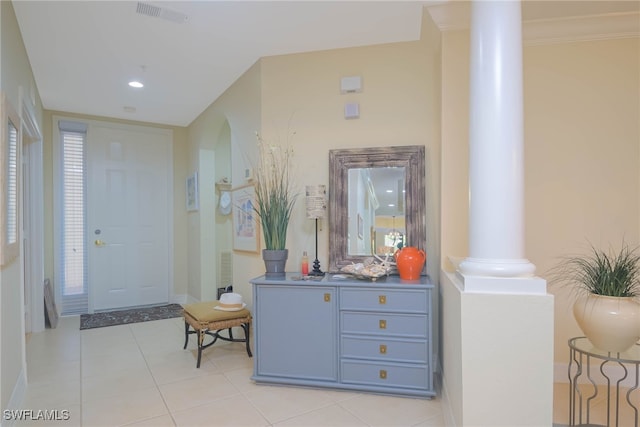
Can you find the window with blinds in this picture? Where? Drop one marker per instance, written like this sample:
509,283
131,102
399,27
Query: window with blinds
12,186
72,252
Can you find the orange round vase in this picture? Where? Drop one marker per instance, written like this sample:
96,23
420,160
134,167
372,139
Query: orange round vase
410,261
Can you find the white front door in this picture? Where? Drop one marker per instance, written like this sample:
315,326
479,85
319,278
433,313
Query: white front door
129,205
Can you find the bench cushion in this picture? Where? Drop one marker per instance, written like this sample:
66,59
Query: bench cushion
204,312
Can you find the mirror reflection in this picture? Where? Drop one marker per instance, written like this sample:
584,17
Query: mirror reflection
376,210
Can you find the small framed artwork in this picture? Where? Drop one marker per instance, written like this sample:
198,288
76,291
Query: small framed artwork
192,192
360,227
246,226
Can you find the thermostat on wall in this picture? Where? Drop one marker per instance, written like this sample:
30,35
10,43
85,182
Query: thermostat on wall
351,84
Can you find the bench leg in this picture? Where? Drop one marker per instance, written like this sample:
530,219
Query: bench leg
186,334
246,326
201,334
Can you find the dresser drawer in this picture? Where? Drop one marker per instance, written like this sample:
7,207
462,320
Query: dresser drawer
404,325
385,374
384,299
383,348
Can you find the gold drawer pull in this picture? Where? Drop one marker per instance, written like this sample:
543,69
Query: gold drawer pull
382,299
327,297
383,374
383,349
383,324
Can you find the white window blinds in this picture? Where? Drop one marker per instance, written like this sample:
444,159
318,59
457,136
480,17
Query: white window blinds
12,186
72,256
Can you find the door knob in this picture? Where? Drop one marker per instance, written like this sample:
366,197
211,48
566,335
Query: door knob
100,242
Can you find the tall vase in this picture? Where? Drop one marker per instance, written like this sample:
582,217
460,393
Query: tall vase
610,323
275,261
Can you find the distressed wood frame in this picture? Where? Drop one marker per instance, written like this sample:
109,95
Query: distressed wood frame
411,157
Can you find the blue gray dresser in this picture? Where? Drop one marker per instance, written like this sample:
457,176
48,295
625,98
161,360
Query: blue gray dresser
344,334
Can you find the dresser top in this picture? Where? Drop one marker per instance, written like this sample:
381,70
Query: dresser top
342,280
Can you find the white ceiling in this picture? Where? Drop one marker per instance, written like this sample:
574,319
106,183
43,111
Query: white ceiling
83,53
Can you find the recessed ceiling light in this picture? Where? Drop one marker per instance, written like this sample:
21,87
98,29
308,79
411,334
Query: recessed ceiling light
136,84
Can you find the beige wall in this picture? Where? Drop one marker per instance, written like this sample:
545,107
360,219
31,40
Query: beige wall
16,76
581,105
582,149
397,102
234,117
300,94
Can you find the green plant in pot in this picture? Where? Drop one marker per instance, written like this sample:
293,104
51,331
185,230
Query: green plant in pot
608,286
275,199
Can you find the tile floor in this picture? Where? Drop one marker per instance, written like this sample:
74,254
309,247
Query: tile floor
139,375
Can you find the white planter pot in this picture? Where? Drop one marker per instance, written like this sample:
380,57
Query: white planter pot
610,323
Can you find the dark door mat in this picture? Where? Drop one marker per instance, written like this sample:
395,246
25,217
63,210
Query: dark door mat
133,315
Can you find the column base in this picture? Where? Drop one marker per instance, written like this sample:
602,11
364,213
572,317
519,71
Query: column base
500,276
499,355
487,267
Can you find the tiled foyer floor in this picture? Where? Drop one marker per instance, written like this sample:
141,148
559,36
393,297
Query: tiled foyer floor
139,375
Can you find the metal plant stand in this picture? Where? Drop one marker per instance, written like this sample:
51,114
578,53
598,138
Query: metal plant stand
581,355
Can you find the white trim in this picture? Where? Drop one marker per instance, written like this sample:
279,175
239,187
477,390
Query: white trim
502,285
34,229
57,208
584,28
445,405
17,397
182,299
455,16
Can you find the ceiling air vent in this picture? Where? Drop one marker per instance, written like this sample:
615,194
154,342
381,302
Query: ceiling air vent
161,12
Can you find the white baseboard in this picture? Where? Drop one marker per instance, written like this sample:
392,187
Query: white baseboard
17,397
445,404
179,299
613,370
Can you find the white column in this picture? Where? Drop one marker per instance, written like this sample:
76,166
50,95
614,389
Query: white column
496,167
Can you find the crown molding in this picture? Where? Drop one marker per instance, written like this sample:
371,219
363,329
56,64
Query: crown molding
455,16
584,28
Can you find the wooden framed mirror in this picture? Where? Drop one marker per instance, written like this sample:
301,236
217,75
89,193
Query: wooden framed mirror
376,202
9,231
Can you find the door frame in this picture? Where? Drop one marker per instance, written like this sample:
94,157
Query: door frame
171,203
32,217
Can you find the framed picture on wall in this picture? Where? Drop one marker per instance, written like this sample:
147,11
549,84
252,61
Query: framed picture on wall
192,192
246,226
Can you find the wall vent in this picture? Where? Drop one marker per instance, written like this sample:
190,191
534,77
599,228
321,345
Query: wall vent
154,11
225,276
